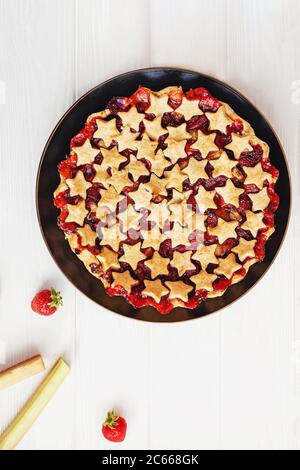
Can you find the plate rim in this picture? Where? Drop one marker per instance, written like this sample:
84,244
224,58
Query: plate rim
164,69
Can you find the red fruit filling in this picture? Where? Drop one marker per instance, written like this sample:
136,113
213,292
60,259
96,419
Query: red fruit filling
206,101
250,158
175,98
141,99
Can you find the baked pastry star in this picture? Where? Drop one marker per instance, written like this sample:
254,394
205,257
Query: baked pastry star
132,254
224,230
179,290
78,185
106,131
158,265
195,170
85,153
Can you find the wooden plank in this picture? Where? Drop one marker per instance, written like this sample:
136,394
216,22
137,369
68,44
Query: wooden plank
116,348
257,333
184,358
36,40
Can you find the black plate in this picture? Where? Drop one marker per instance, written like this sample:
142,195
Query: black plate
58,145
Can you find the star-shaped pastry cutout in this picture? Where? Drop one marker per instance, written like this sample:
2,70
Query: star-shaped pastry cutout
224,230
87,235
137,168
195,170
130,218
106,131
154,128
159,213
189,108
204,281
101,176
178,235
155,289
61,188
260,200
182,214
230,193
205,144
175,150
108,259
205,254
205,199
219,120
159,104
223,166
196,222
78,185
182,262
126,140
253,222
111,236
256,175
131,118
99,115
112,158
73,241
156,186
158,265
141,197
124,280
178,133
87,258
179,290
227,266
76,213
245,249
179,197
120,180
86,153
102,213
175,178
239,144
159,163
269,232
132,255
152,238
109,198
145,148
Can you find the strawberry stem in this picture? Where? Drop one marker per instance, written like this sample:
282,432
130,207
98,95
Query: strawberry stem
111,420
56,299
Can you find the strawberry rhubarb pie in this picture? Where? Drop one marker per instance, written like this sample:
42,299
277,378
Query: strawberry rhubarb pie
167,197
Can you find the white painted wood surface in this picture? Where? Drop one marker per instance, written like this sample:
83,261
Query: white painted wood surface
228,381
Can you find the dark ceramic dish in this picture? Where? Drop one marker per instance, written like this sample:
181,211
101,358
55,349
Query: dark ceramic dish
58,145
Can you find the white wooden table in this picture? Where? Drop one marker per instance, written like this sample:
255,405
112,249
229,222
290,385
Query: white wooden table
230,380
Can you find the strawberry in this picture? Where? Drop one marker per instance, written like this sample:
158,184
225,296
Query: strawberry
46,302
114,427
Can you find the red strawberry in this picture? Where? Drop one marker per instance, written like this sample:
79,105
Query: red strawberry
114,428
46,302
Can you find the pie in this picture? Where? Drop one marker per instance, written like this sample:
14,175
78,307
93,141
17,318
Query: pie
167,197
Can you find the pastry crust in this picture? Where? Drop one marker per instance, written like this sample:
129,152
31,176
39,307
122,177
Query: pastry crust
159,213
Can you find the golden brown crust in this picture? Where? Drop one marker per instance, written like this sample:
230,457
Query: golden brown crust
158,191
